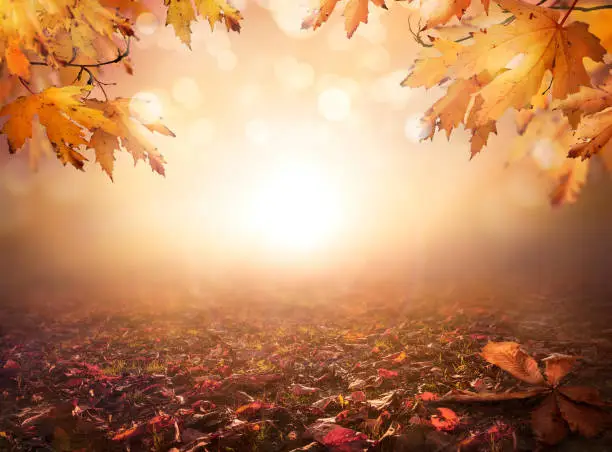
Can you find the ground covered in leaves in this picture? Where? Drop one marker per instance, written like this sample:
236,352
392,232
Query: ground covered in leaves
339,375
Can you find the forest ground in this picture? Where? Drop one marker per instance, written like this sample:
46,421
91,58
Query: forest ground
341,374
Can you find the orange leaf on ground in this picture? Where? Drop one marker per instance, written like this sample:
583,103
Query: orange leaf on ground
446,421
510,357
557,367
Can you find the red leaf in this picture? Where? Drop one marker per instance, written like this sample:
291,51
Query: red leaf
447,421
385,373
427,396
10,364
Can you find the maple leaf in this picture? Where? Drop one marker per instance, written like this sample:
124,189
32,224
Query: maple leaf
181,13
504,68
355,13
439,12
514,360
54,29
64,116
578,409
127,136
16,62
590,112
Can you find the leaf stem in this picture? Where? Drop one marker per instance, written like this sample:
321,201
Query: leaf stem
571,8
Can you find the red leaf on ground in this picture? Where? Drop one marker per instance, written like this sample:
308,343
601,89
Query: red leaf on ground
427,396
446,421
385,373
299,390
10,364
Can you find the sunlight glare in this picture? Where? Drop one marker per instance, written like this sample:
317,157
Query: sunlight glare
296,209
334,104
147,106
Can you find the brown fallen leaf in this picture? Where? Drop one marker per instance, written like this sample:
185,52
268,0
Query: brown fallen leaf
579,409
510,357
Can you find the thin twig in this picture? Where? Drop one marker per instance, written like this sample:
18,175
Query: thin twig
120,56
26,85
584,9
571,8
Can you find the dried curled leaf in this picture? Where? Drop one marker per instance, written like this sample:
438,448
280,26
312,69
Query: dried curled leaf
355,12
557,367
581,418
583,394
546,422
462,396
510,357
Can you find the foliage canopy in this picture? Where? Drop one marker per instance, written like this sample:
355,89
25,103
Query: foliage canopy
546,62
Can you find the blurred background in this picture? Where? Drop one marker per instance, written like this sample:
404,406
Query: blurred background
297,161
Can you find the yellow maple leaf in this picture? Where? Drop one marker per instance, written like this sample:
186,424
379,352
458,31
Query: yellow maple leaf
438,12
590,112
16,62
63,115
593,135
586,102
432,67
181,13
219,11
599,21
355,13
46,27
570,180
536,41
128,136
520,54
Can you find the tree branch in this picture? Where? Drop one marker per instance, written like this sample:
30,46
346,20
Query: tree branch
120,56
584,9
569,11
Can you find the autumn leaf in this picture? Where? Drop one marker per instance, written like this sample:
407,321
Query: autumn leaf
571,179
557,367
585,102
219,11
513,359
439,12
432,67
64,116
355,13
447,420
457,395
539,43
584,419
546,422
181,13
16,62
128,136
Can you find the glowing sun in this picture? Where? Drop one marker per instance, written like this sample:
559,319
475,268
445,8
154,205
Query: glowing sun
296,208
